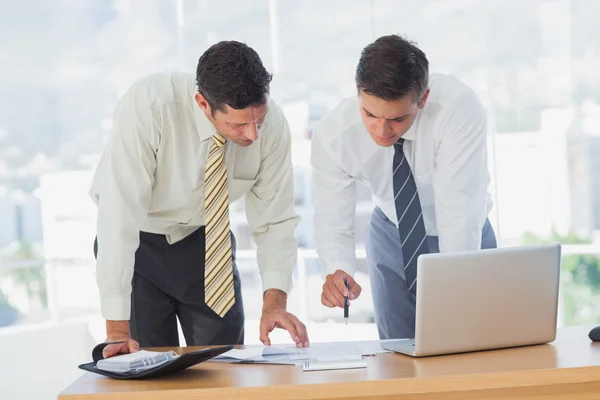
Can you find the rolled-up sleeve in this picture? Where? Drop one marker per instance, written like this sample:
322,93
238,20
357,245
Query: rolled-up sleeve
122,190
270,208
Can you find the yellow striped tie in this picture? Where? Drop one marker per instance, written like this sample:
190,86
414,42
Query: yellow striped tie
218,267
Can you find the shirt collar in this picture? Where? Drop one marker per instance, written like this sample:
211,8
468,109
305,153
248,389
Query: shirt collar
410,134
205,128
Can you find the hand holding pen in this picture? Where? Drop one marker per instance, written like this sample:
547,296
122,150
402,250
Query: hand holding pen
339,289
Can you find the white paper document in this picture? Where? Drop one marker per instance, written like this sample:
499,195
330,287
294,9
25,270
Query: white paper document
289,354
263,354
138,361
338,349
322,365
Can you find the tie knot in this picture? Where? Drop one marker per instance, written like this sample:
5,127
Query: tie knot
219,139
399,150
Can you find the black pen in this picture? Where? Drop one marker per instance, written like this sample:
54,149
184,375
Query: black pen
346,303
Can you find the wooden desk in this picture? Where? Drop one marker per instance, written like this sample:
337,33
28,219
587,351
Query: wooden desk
568,368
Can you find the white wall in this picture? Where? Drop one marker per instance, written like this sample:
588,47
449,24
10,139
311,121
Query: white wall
39,361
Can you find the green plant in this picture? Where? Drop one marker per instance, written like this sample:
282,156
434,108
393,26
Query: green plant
583,268
580,283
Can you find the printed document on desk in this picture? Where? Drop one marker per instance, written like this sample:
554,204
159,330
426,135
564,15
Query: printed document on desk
289,354
345,349
262,355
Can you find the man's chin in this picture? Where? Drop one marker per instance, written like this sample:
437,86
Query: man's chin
384,142
244,143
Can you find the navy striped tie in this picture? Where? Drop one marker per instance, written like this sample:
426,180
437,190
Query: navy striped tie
413,237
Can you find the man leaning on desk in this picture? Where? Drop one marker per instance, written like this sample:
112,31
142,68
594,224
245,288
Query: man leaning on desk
182,149
419,142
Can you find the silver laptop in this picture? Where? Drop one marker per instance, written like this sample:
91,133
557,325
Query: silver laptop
482,300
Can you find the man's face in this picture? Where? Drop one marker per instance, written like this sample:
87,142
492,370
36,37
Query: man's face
239,126
388,121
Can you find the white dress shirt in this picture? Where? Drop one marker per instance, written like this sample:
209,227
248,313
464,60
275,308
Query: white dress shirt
446,148
151,178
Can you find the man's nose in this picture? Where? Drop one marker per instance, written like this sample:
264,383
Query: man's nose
381,128
251,132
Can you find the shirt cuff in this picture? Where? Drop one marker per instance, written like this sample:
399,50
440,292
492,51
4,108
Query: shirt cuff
116,308
332,267
277,280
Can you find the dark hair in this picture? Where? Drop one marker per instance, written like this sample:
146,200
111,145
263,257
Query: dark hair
391,68
232,73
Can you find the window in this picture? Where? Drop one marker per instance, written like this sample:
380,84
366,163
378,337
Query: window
533,63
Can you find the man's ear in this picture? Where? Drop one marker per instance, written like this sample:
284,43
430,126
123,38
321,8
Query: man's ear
202,103
424,99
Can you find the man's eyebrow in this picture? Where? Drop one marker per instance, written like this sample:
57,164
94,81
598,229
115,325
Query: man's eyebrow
246,123
371,114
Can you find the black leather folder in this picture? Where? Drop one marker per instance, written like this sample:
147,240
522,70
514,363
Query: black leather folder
175,365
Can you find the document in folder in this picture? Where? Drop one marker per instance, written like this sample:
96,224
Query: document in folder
147,364
139,361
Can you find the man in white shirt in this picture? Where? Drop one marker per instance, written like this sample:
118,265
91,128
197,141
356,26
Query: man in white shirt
419,142
182,149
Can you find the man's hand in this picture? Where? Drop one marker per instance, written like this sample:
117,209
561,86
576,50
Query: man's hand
334,289
274,315
118,331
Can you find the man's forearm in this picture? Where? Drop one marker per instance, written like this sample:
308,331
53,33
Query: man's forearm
274,298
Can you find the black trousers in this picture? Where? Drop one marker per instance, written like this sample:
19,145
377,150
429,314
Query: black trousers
168,283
